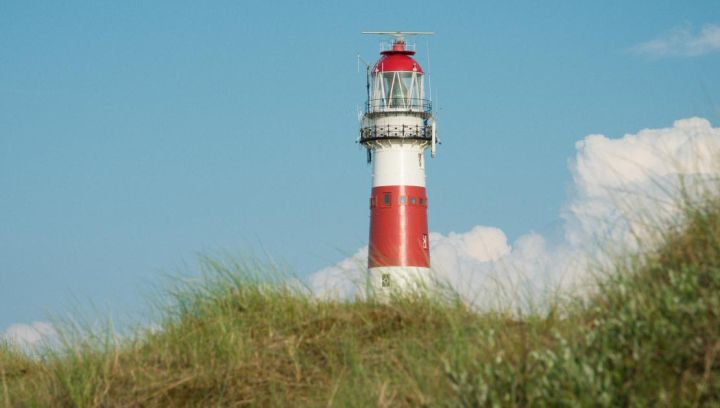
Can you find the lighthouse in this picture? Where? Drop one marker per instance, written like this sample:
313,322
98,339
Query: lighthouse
396,129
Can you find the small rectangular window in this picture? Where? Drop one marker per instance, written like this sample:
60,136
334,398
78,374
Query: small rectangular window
402,199
387,199
412,201
424,241
385,280
422,201
372,202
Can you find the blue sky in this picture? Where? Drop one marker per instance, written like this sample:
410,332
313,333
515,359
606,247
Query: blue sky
134,135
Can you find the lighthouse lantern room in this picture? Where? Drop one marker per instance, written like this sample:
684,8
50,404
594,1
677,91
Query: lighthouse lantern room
396,129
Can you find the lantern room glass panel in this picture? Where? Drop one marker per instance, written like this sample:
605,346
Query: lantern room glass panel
396,91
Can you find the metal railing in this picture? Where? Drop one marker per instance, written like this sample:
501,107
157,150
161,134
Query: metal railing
398,105
417,132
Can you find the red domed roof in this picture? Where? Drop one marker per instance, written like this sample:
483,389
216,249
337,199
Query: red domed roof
397,59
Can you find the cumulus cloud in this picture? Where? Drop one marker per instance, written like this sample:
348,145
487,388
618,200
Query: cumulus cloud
627,184
622,188
30,336
682,42
510,277
344,279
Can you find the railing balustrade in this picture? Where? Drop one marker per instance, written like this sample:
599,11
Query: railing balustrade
398,105
417,132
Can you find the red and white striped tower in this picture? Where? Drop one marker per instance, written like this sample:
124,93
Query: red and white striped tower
396,129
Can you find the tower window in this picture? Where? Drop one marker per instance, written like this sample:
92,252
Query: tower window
385,280
372,202
387,199
422,201
403,200
412,201
424,241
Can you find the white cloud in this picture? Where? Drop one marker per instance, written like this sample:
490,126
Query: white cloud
30,336
621,189
481,244
682,42
344,279
622,184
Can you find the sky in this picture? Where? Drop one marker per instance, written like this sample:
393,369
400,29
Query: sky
136,135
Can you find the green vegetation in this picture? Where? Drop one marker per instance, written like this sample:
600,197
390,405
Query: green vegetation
648,336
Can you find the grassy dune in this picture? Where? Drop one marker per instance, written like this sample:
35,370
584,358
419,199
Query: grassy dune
649,336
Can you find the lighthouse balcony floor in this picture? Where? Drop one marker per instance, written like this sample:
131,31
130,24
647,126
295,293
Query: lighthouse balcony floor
384,132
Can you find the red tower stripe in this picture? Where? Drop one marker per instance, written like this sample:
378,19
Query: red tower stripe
398,227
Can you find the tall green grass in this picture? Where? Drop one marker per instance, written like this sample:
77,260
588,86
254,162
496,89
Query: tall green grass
648,336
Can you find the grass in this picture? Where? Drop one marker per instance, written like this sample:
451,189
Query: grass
648,336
